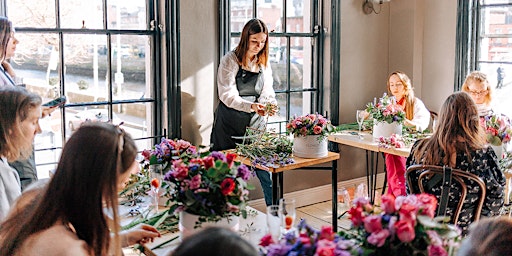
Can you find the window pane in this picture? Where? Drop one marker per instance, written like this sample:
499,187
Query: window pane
272,14
277,58
496,1
241,12
500,100
300,53
132,13
295,20
29,13
300,103
86,66
129,67
137,118
81,14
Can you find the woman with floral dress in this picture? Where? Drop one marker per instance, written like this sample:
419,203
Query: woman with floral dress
458,143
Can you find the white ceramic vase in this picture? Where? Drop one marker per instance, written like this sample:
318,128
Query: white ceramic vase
384,129
309,146
187,224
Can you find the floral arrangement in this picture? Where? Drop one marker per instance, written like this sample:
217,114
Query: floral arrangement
401,226
266,149
497,129
310,124
169,150
308,242
213,187
386,110
394,140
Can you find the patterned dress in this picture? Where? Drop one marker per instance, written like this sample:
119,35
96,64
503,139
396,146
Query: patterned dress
484,164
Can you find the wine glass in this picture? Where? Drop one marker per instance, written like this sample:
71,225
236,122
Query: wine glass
155,175
287,213
274,221
360,115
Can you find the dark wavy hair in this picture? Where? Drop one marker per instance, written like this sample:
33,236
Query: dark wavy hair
85,180
254,26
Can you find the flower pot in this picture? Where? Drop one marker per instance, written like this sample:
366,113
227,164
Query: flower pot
187,224
498,150
310,146
383,129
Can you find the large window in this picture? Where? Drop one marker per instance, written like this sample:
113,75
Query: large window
100,55
492,26
293,50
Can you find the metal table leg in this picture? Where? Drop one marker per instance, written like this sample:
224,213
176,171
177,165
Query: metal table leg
334,174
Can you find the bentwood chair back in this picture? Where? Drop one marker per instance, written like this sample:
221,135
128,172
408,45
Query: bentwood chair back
447,175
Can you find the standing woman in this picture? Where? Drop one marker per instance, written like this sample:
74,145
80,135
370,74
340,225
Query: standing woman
69,216
416,115
244,87
19,124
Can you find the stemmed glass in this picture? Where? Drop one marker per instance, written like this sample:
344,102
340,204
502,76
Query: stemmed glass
360,114
287,213
155,175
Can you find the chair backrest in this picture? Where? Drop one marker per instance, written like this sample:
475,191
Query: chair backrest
433,120
447,175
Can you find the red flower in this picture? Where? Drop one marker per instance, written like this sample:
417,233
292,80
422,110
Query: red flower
326,233
405,231
227,186
356,215
230,157
266,240
208,162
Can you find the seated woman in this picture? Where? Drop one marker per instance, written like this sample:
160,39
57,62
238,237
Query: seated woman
458,142
68,216
417,116
480,90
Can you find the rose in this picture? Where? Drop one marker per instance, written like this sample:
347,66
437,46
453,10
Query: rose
373,223
408,213
405,231
356,215
378,238
388,203
325,248
436,250
427,204
326,233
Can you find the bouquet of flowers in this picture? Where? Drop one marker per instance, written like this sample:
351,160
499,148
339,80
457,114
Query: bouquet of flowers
167,151
308,242
310,124
395,141
497,129
402,226
386,110
213,187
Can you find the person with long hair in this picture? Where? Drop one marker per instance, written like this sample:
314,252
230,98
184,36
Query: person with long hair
19,124
25,167
244,83
416,115
490,237
458,142
478,87
70,216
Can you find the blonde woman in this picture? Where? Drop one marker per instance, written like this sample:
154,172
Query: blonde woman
480,90
416,115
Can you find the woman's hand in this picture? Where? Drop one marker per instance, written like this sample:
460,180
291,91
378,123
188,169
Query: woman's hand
139,234
259,108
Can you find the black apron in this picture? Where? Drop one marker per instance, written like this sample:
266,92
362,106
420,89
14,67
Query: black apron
230,122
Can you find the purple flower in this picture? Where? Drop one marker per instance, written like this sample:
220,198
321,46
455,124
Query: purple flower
243,172
218,156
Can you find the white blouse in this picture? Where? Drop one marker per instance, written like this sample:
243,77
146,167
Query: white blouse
10,187
421,115
226,83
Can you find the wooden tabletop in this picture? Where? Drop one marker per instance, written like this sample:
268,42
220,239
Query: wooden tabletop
366,142
298,162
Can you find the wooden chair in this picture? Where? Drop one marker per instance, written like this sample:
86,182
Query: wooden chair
447,175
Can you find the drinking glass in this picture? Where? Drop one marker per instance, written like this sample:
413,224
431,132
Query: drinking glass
343,201
360,118
287,213
155,175
273,221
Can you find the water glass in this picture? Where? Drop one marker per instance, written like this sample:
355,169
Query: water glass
155,176
287,213
274,221
343,200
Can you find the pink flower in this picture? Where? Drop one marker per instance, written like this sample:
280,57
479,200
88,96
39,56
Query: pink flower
436,250
317,129
266,240
325,248
372,223
326,233
146,154
408,213
195,182
405,231
388,203
378,238
427,204
356,215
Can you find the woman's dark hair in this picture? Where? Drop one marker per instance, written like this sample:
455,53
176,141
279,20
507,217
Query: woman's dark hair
490,236
215,241
457,130
5,35
86,178
254,26
16,104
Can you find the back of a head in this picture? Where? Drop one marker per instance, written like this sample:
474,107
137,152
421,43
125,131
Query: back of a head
215,241
490,237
